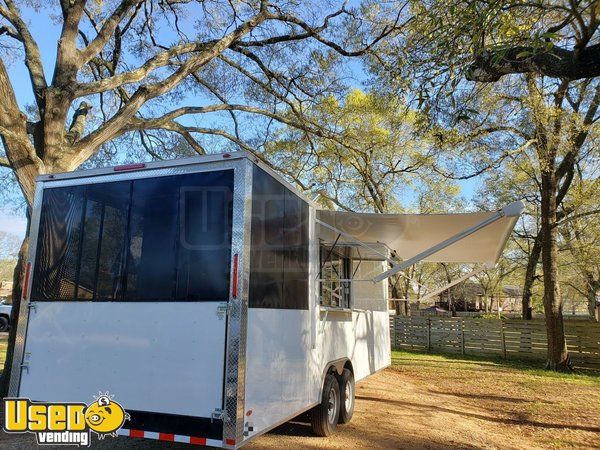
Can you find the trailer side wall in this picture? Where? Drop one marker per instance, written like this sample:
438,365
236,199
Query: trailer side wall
291,341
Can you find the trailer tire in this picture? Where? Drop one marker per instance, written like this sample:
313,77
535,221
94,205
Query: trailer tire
347,396
4,323
325,416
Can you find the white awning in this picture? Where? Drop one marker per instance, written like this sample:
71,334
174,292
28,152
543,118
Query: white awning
412,234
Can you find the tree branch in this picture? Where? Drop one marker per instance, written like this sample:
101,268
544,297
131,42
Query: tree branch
10,32
487,167
579,216
65,70
294,37
579,138
558,62
107,30
298,123
77,127
498,129
315,33
161,59
33,60
217,94
116,125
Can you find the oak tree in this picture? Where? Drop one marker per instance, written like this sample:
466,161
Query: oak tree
137,67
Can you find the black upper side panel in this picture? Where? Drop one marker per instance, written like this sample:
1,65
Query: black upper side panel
279,245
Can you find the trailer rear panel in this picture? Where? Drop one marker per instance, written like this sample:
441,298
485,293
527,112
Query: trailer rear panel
130,288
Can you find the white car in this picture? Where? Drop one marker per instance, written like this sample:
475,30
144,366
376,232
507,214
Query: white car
4,316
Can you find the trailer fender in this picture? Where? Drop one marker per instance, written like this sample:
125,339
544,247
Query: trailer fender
336,367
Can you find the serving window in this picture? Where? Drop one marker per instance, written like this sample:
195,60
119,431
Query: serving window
335,285
151,239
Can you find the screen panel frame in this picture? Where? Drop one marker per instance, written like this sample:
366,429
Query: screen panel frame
130,178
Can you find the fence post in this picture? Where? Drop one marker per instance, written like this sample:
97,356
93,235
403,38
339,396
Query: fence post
462,337
428,333
502,338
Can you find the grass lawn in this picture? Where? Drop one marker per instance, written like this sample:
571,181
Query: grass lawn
528,369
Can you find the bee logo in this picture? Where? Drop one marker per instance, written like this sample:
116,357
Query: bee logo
105,416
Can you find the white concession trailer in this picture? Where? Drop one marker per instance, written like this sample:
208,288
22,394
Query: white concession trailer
213,299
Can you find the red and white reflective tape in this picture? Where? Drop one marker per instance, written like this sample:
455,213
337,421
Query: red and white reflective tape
170,437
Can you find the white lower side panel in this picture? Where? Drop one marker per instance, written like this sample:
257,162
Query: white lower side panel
363,336
278,380
284,374
153,356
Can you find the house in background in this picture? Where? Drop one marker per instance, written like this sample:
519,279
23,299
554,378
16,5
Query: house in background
465,298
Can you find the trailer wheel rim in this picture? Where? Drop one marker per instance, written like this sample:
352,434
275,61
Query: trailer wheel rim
332,406
349,397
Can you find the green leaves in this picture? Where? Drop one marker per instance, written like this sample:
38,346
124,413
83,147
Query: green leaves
378,151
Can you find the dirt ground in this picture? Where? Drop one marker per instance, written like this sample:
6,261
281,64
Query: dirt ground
433,402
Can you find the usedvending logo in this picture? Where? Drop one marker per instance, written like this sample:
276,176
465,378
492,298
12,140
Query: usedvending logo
64,423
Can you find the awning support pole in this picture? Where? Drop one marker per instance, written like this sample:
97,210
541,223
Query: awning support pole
514,209
455,282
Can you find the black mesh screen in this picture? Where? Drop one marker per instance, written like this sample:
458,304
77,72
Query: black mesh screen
58,243
151,239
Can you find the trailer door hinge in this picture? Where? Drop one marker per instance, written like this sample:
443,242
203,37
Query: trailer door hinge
31,306
218,414
223,310
25,363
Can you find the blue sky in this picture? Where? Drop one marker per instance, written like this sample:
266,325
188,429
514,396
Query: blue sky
12,223
46,34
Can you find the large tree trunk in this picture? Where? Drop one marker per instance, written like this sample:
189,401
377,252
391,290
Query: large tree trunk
532,262
407,296
395,293
18,277
558,357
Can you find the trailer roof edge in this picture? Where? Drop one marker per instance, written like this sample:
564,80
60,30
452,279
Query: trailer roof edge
190,161
178,162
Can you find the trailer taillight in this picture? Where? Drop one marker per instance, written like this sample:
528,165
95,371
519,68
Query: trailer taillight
25,289
234,274
125,167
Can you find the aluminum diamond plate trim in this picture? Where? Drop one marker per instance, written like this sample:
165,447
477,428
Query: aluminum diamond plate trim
235,370
15,374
